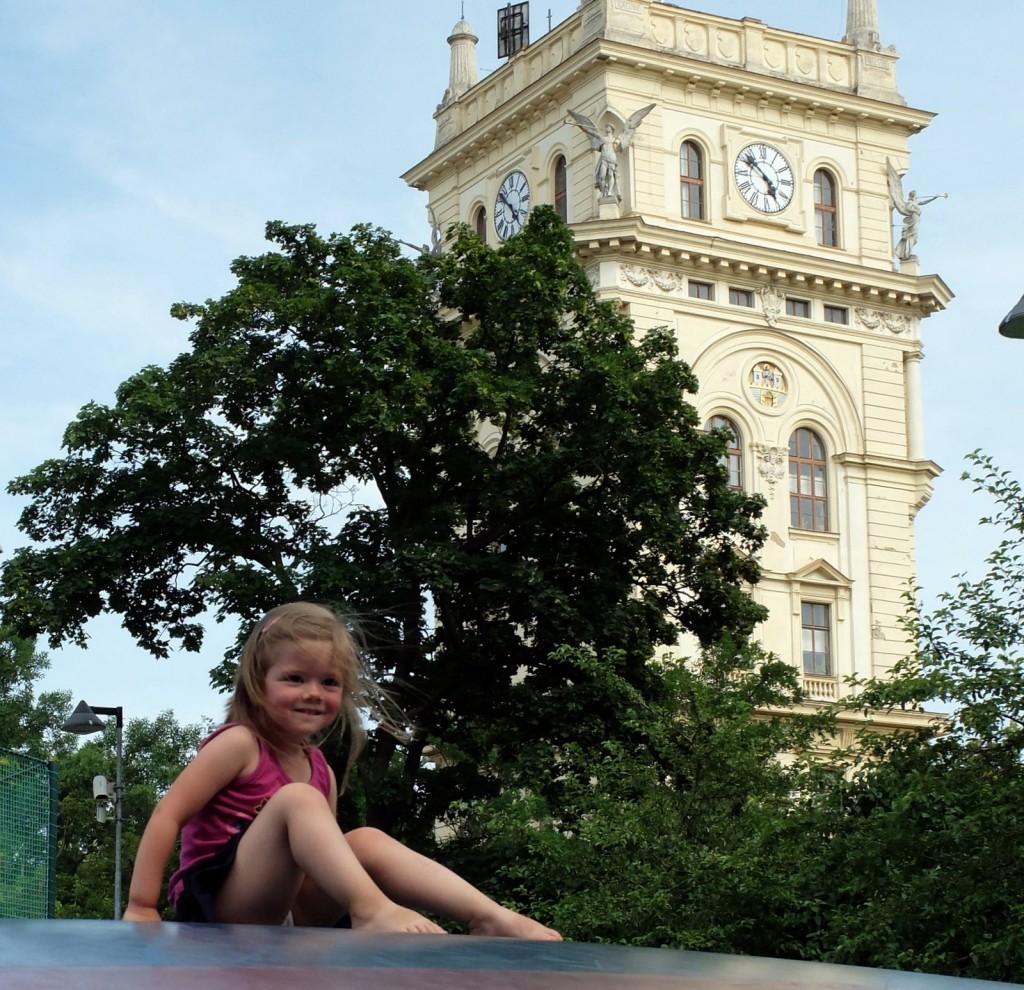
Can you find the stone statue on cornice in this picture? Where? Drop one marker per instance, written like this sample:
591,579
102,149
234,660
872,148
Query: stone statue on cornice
608,146
909,207
435,237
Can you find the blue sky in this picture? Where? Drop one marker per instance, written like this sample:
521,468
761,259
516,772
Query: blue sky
144,144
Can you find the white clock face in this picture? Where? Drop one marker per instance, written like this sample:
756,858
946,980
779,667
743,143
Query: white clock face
511,205
764,178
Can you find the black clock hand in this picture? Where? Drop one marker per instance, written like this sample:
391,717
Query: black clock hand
752,162
513,211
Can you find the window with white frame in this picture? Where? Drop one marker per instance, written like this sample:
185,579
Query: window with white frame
816,638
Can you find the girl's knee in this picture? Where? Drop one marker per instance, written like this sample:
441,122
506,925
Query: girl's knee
368,840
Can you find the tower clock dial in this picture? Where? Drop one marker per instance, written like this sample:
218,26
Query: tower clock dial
764,178
511,205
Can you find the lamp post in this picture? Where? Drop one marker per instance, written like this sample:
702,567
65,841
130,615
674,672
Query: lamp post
83,722
1013,322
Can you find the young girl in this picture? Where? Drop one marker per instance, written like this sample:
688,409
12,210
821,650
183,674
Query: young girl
256,809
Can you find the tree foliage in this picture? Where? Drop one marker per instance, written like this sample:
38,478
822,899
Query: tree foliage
902,852
666,833
29,723
153,752
468,450
917,846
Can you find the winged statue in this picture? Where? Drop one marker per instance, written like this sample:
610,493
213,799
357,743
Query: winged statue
606,171
909,207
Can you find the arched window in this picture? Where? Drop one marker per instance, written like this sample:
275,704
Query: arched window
691,181
733,456
808,482
826,209
480,223
561,198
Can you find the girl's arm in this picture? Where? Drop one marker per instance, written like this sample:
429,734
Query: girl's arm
332,798
225,757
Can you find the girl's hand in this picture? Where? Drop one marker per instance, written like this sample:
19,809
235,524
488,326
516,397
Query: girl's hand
141,914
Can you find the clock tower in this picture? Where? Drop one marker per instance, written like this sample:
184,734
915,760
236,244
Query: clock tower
732,181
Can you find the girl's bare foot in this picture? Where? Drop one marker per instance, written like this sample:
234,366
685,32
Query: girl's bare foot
508,924
395,918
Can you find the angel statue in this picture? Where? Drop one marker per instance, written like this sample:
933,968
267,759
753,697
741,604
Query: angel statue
435,237
909,207
606,172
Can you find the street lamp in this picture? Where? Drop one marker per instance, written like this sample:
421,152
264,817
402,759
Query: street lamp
1013,322
83,722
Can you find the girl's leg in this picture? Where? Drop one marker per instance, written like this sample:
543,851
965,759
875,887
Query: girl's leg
412,879
295,836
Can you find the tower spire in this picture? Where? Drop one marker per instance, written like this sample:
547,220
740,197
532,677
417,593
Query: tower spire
862,24
463,73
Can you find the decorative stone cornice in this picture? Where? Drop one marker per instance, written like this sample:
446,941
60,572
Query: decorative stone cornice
880,298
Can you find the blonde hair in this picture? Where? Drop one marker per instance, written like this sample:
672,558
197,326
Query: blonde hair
296,622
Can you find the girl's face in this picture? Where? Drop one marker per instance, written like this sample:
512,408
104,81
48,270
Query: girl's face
303,687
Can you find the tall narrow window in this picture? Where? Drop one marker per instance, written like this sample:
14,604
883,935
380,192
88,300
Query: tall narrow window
733,456
480,223
561,198
826,209
808,482
691,181
816,633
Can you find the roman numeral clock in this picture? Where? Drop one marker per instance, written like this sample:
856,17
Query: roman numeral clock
764,177
511,205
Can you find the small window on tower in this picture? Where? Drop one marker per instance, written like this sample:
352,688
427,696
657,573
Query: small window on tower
561,197
691,181
826,209
798,307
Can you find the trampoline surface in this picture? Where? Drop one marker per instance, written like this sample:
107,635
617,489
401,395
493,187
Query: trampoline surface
109,955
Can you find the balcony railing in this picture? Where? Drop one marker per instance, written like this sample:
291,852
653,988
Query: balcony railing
821,688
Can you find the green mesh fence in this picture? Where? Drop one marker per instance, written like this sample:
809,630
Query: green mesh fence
28,836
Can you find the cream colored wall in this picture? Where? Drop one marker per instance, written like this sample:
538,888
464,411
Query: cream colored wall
851,390
725,83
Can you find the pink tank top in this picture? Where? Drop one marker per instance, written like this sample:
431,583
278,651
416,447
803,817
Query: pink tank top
233,807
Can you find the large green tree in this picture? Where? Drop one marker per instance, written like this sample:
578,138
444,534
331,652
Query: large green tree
322,439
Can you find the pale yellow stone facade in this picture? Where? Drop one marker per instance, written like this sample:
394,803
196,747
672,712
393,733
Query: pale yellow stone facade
780,363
